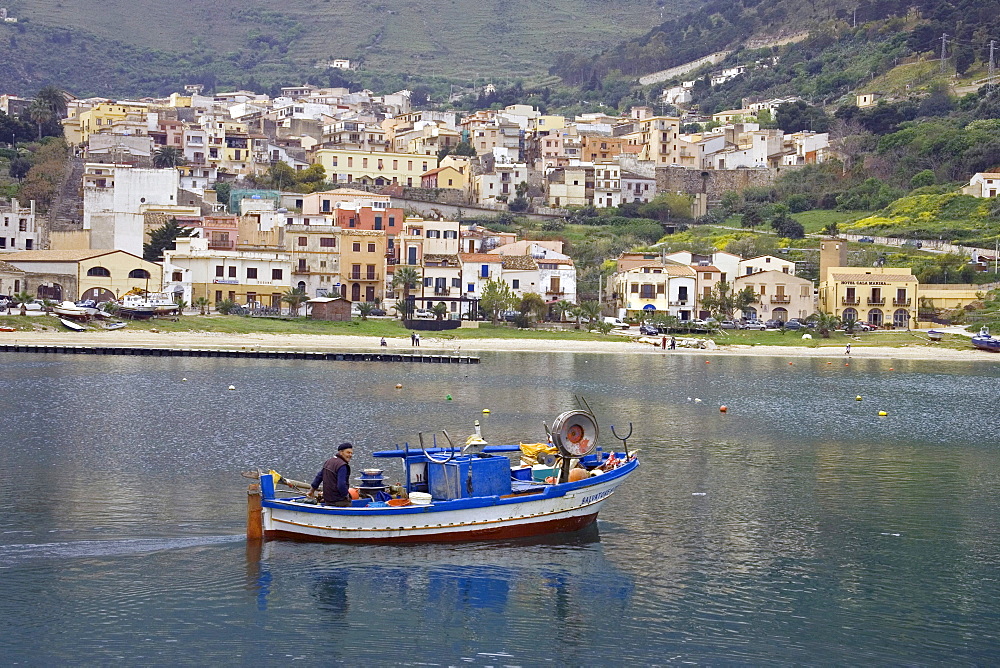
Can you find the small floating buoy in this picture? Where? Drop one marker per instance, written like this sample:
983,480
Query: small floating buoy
791,363
697,401
882,413
847,364
232,387
448,397
857,398
486,410
723,409
707,362
890,368
184,380
829,362
399,386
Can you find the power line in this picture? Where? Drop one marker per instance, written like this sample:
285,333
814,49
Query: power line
944,43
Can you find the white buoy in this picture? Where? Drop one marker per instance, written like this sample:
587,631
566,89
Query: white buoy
184,380
232,387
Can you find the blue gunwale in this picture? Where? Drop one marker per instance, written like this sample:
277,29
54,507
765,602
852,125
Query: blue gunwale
550,491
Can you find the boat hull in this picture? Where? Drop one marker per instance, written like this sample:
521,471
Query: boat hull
553,509
990,343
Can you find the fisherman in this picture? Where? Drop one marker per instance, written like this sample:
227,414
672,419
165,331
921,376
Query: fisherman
334,477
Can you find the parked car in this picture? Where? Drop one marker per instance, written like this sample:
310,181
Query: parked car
910,243
794,324
866,240
728,324
649,330
377,311
756,325
616,322
773,324
425,313
35,305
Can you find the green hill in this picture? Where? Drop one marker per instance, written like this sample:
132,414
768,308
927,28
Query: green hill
454,38
952,216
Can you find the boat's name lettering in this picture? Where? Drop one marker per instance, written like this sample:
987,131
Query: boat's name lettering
600,495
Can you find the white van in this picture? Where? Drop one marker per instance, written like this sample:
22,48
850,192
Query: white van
617,322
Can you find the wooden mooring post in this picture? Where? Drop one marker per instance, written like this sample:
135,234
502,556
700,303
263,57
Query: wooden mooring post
255,519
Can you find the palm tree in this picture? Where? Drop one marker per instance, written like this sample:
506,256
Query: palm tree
295,298
406,278
54,99
365,309
181,305
562,307
203,304
440,310
40,114
825,323
592,312
23,298
167,156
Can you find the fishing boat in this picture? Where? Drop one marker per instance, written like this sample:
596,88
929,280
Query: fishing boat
984,341
115,325
147,305
69,324
454,493
68,309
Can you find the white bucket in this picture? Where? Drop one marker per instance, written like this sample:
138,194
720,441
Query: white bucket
420,498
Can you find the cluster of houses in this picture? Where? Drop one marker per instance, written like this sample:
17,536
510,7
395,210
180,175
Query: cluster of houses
674,284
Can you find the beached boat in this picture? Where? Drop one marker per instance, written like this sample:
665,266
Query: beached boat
147,305
455,494
68,309
984,341
70,324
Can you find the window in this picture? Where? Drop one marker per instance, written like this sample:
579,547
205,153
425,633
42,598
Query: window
327,242
98,271
456,282
276,274
177,276
427,281
232,272
516,284
138,273
252,272
303,241
484,271
356,247
392,221
220,271
471,287
371,248
378,222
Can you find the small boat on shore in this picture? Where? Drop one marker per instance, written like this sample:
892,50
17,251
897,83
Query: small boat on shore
68,309
70,324
984,341
147,305
459,494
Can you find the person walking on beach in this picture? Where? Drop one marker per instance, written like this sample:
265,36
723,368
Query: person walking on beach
334,478
673,343
848,351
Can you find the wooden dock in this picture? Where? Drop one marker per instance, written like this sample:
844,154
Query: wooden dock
251,353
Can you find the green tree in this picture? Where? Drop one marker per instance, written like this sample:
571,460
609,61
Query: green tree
751,217
591,310
497,297
365,309
167,156
202,303
667,206
923,179
225,306
723,301
562,307
19,168
222,192
181,305
162,238
407,279
532,304
22,298
440,311
295,298
54,99
40,114
825,323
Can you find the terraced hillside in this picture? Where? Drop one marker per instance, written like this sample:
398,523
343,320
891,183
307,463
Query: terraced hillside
456,38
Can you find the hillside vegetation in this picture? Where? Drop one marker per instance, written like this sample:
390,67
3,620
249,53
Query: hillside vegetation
60,41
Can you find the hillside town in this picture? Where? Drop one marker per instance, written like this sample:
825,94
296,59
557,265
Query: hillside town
360,185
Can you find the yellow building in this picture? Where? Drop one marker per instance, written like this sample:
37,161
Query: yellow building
99,118
658,139
362,264
195,270
374,167
880,296
656,287
100,275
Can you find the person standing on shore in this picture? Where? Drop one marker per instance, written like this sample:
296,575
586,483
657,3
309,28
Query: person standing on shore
848,351
673,343
413,338
335,477
417,339
383,343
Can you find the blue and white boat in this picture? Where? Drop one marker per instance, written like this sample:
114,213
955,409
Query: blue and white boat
463,495
984,341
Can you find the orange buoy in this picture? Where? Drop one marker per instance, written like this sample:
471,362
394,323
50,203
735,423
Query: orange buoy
723,409
707,362
829,362
578,474
551,480
791,363
353,493
399,386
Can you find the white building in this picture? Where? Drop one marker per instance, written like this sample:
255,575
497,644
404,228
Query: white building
17,227
116,197
983,184
765,263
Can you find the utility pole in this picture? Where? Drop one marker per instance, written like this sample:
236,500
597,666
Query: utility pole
944,42
992,67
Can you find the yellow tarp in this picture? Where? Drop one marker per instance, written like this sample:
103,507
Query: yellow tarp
532,450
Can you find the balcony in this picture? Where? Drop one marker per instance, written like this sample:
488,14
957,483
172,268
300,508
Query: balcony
681,302
781,299
649,296
221,245
444,292
900,302
300,270
850,301
876,302
558,294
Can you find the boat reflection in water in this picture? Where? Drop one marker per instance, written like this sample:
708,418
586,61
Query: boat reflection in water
442,582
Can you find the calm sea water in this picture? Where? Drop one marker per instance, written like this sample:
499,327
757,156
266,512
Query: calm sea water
799,527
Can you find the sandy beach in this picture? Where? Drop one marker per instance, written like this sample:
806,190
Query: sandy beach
431,345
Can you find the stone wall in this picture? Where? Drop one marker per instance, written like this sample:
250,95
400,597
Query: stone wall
714,183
